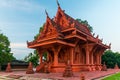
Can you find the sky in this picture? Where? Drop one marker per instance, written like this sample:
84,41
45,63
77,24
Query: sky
20,20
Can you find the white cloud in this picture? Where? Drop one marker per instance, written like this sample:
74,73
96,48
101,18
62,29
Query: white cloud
18,45
20,4
20,50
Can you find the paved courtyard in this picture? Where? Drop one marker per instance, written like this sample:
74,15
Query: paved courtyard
21,75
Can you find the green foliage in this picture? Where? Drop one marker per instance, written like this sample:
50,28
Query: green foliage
34,58
5,52
85,22
113,77
111,58
45,55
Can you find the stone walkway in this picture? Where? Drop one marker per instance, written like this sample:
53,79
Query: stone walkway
21,75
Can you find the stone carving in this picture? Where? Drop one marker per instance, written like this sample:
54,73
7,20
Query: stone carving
30,69
8,69
68,70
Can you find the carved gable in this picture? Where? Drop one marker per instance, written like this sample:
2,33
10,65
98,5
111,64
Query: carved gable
65,22
49,30
62,19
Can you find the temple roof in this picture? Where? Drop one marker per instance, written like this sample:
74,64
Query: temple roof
66,22
62,29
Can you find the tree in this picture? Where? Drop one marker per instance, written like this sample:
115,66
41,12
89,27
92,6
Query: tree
85,22
5,50
111,58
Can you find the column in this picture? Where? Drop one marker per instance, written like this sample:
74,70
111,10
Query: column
56,50
72,55
92,58
97,58
100,58
87,54
47,56
40,57
87,57
55,58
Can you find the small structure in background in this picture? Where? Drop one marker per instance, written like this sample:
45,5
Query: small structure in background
16,65
116,66
104,67
8,69
68,70
30,69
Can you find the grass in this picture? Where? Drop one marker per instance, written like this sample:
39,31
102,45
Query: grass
113,77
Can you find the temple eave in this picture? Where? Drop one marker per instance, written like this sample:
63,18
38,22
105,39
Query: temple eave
75,36
50,43
103,45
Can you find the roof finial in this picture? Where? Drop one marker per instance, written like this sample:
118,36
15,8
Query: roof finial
109,44
57,3
46,12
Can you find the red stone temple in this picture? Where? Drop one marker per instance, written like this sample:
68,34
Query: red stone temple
65,39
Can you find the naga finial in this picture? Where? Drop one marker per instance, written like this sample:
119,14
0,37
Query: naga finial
102,39
93,34
97,36
57,3
46,12
110,45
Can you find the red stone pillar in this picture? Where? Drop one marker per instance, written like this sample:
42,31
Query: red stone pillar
41,58
92,58
97,58
56,50
87,54
55,58
72,55
100,58
48,57
87,57
40,55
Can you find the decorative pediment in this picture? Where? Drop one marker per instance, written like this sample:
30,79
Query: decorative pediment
66,22
50,29
62,19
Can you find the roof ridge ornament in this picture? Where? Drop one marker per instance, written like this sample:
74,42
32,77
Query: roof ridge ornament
110,45
46,12
58,3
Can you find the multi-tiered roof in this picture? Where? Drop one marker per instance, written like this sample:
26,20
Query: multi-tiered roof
64,30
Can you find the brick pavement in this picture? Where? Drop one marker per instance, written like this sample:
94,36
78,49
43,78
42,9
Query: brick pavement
57,76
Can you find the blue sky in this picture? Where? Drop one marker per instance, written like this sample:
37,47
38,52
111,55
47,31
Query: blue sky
20,19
